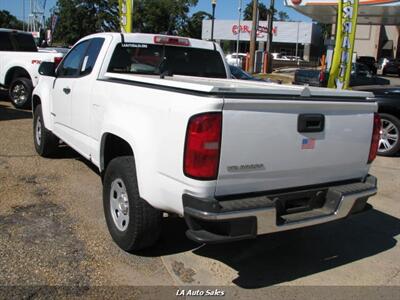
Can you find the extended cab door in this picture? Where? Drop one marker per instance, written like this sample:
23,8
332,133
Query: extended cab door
67,74
81,100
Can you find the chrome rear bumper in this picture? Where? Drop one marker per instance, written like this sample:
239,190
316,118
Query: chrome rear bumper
212,221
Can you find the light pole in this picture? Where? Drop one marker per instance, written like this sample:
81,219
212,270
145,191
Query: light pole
213,4
238,36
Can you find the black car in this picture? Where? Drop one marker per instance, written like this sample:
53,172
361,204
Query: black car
388,99
238,73
369,61
360,75
392,67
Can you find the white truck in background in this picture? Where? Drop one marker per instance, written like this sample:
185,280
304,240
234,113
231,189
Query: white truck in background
19,63
170,132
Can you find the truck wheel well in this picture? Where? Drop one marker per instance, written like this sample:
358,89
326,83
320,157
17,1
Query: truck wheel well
35,102
112,147
16,72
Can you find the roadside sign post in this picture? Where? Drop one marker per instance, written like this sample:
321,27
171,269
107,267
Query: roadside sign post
125,15
339,75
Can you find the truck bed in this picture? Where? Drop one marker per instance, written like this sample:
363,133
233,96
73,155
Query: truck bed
232,87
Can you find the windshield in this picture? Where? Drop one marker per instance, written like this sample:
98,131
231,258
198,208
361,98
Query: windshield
133,58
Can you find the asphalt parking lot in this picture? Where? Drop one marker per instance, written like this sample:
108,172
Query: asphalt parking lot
53,232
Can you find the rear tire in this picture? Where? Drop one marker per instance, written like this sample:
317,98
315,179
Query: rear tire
132,222
46,143
21,92
389,144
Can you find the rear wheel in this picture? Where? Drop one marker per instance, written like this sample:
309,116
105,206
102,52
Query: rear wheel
46,143
389,143
21,92
132,222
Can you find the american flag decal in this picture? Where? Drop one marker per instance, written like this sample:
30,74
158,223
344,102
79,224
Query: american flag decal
308,144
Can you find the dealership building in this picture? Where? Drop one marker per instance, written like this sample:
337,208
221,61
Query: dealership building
378,23
289,38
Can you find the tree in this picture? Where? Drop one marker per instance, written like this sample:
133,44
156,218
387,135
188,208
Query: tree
7,20
263,11
78,18
194,25
283,16
162,16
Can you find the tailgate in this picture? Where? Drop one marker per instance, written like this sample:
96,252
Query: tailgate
262,148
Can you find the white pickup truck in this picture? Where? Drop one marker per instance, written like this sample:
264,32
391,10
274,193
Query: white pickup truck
19,64
170,132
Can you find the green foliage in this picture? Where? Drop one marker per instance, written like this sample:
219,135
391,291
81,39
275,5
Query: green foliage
283,16
79,18
263,13
194,25
159,16
7,20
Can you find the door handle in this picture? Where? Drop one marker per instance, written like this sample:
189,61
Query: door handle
310,123
67,90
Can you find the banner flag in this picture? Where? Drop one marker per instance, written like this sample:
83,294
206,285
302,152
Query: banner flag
339,75
125,15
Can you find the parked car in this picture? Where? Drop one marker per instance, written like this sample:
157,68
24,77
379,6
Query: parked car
293,58
19,64
238,73
360,75
54,50
236,59
368,61
234,158
392,67
388,99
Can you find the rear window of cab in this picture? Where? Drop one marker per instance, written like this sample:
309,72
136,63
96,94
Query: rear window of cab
151,59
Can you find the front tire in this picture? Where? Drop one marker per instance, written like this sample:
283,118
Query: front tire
46,143
21,92
389,143
132,222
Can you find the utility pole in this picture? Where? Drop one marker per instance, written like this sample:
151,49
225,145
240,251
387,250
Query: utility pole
23,15
270,25
238,36
253,39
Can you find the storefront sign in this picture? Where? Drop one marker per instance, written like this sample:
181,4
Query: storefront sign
125,14
339,76
262,30
284,32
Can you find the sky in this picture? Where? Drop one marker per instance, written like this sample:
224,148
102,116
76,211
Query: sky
226,9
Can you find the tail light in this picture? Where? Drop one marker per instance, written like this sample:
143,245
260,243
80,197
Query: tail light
57,61
376,135
175,41
202,148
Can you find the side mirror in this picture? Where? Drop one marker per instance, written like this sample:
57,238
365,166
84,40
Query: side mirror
47,69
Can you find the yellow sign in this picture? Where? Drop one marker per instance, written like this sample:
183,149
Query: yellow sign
339,76
125,15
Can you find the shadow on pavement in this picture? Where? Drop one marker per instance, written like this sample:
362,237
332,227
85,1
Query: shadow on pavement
286,256
173,239
66,152
7,113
